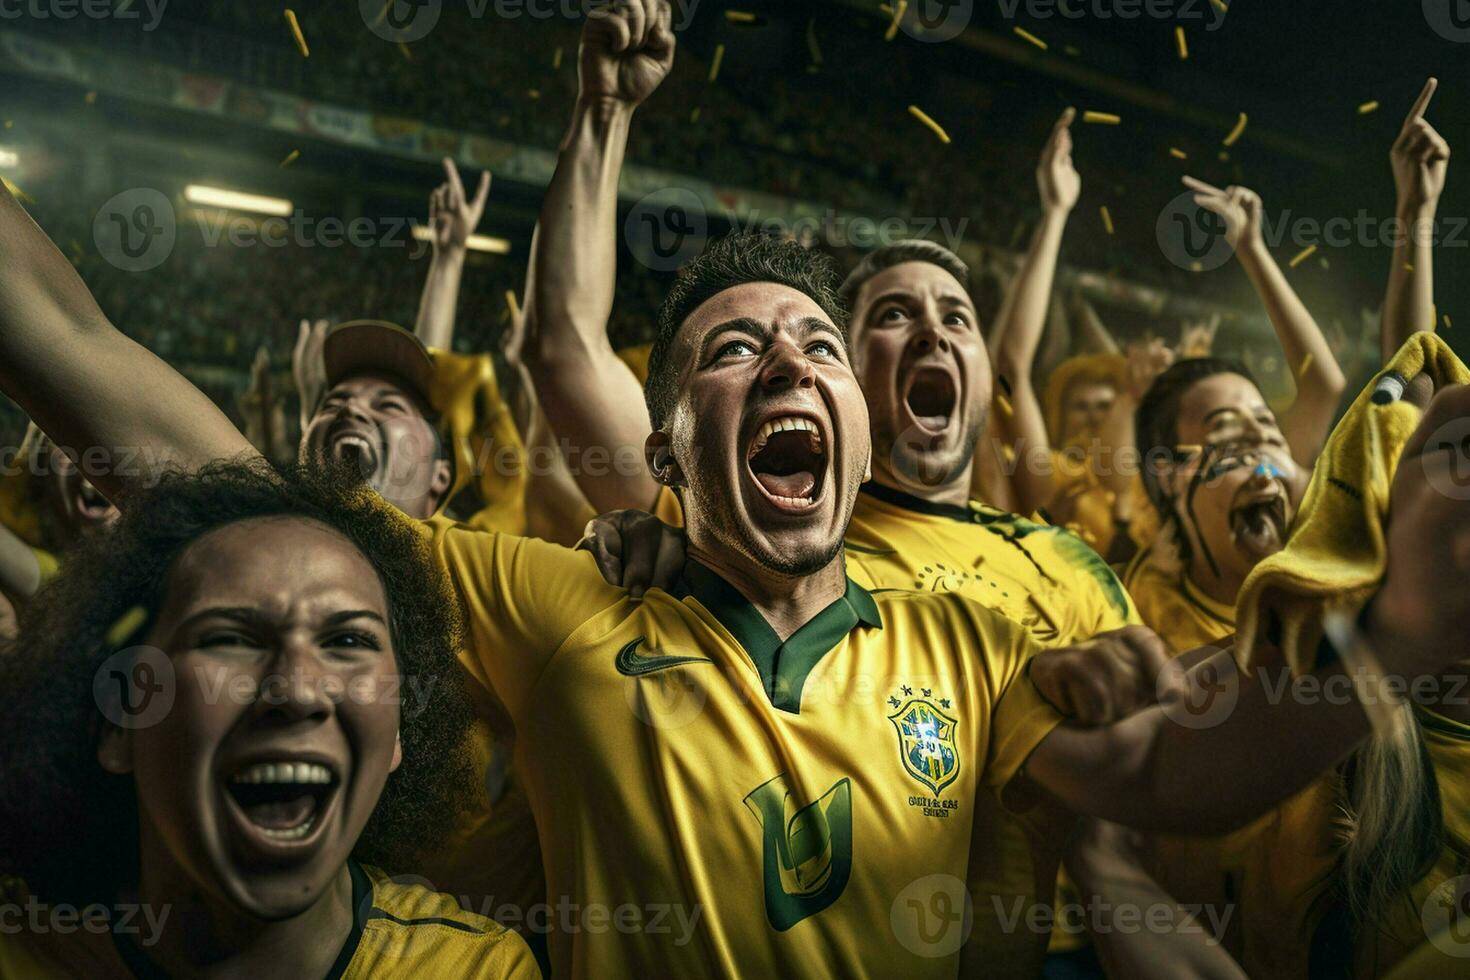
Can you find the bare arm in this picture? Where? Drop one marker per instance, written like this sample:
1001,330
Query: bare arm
83,382
1319,379
1154,772
1420,157
1104,863
1022,316
452,219
589,396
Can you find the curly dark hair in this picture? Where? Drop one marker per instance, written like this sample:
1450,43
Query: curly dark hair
62,816
729,262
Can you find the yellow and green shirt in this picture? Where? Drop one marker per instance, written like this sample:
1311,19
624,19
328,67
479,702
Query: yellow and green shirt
399,931
713,801
1049,581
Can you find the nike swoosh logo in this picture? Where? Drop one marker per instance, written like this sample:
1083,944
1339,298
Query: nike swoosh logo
631,663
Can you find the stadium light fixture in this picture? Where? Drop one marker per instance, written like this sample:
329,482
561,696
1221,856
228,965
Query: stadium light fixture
218,197
476,243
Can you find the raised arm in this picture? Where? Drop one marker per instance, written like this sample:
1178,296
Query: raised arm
1022,317
83,382
1420,157
452,218
1319,380
589,396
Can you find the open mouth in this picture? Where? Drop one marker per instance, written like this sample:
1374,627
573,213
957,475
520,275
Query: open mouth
91,505
931,398
789,460
350,447
1258,527
282,802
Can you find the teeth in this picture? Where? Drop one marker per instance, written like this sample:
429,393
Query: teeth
284,772
789,423
358,441
293,833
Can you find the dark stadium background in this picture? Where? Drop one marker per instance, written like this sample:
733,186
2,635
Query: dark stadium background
97,107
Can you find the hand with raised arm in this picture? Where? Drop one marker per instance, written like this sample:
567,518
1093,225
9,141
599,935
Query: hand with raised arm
1420,159
453,217
1319,379
309,369
1022,317
591,398
84,383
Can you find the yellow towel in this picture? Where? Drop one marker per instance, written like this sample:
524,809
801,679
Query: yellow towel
487,447
1337,553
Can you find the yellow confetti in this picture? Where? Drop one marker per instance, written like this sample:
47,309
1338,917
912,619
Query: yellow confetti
1224,157
1026,35
1101,118
90,98
296,33
291,158
1196,267
1301,372
1107,219
1220,6
739,17
1189,449
407,54
1367,107
533,94
694,115
1008,453
556,58
1177,153
1072,50
1004,404
923,117
1408,267
513,303
714,66
899,9
126,625
1446,321
1235,133
813,47
1303,255
1433,315
1324,263
1181,43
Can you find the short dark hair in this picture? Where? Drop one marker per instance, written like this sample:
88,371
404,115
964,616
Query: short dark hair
1156,423
68,828
897,253
729,262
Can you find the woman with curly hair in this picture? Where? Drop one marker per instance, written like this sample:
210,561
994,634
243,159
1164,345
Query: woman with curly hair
229,713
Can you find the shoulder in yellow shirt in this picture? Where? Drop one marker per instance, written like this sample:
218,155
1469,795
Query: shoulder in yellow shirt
398,931
1172,607
745,806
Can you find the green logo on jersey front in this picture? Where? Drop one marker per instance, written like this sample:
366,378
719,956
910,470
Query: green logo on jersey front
806,851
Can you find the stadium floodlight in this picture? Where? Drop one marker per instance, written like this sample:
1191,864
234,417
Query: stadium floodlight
218,197
476,243
8,157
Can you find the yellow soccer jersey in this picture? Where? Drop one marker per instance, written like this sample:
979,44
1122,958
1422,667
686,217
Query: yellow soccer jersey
1173,607
1043,577
1049,581
398,931
714,802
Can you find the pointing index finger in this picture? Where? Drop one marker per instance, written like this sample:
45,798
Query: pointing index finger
1422,103
1195,184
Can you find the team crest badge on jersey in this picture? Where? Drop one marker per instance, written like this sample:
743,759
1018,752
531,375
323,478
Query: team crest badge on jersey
926,740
